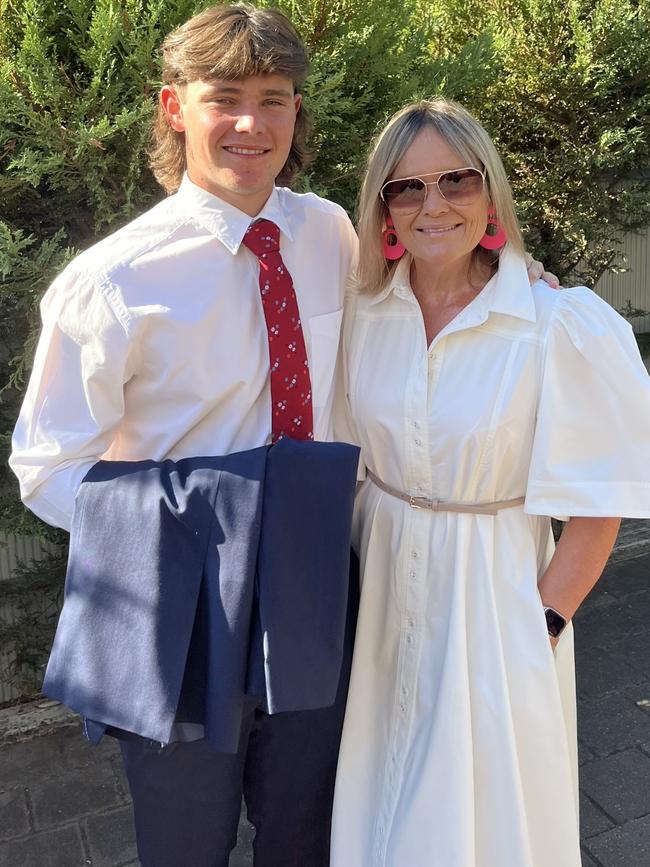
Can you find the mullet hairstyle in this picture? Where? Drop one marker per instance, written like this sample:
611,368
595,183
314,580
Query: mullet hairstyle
230,43
466,136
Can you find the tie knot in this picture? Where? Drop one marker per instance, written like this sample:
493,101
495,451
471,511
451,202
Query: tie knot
262,236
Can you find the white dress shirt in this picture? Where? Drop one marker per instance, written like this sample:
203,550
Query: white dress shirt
459,744
154,343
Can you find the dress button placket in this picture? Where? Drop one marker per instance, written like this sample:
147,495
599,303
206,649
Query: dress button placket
406,682
412,602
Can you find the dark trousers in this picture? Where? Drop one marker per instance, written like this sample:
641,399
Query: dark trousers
187,798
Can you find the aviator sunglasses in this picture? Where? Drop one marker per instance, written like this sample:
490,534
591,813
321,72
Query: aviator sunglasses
458,187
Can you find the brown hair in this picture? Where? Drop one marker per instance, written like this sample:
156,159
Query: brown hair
229,42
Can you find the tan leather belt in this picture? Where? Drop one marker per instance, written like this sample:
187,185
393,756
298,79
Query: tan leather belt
442,506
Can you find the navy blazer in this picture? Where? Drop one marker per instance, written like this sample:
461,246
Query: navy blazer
192,583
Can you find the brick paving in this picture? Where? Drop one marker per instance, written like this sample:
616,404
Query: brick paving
64,803
613,680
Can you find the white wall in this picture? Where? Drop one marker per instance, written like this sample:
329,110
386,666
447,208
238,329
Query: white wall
634,284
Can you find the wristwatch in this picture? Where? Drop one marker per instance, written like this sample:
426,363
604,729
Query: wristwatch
555,623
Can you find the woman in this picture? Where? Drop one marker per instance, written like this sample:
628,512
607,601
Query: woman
508,403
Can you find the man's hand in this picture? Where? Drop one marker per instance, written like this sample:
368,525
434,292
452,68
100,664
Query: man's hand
536,271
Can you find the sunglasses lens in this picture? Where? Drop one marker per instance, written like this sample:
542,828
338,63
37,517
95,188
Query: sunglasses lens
461,187
405,194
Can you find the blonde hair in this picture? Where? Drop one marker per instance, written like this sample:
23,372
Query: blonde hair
467,137
230,43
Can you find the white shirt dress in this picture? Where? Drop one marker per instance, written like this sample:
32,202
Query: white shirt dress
459,744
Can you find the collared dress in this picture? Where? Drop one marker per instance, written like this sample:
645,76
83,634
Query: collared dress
459,744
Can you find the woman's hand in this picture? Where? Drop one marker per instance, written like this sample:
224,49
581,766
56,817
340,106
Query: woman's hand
536,272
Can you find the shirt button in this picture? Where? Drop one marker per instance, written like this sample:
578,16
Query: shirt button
402,707
416,424
418,441
414,554
409,639
412,574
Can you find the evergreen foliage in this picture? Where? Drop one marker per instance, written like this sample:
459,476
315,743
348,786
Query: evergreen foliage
562,85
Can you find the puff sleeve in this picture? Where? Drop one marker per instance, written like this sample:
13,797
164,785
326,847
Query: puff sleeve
591,449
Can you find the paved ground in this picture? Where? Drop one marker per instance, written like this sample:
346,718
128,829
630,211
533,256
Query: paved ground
64,803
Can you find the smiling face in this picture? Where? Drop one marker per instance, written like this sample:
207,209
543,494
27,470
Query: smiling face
238,134
440,232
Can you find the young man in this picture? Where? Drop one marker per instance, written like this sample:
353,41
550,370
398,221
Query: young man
155,345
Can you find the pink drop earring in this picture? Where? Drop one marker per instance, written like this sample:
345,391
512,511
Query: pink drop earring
495,236
391,245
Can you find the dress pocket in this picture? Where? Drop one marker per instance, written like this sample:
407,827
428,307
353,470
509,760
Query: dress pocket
324,331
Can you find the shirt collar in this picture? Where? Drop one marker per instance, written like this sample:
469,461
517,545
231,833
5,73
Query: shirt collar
226,221
508,292
399,283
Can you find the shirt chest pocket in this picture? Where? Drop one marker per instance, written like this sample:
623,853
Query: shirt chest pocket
324,333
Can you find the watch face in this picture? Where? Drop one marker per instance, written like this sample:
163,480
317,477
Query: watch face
555,623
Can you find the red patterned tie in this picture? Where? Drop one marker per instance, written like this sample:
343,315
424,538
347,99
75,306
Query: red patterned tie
290,383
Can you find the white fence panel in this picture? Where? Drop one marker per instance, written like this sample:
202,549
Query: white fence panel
633,285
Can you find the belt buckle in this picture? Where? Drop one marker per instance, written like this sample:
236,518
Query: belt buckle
419,502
